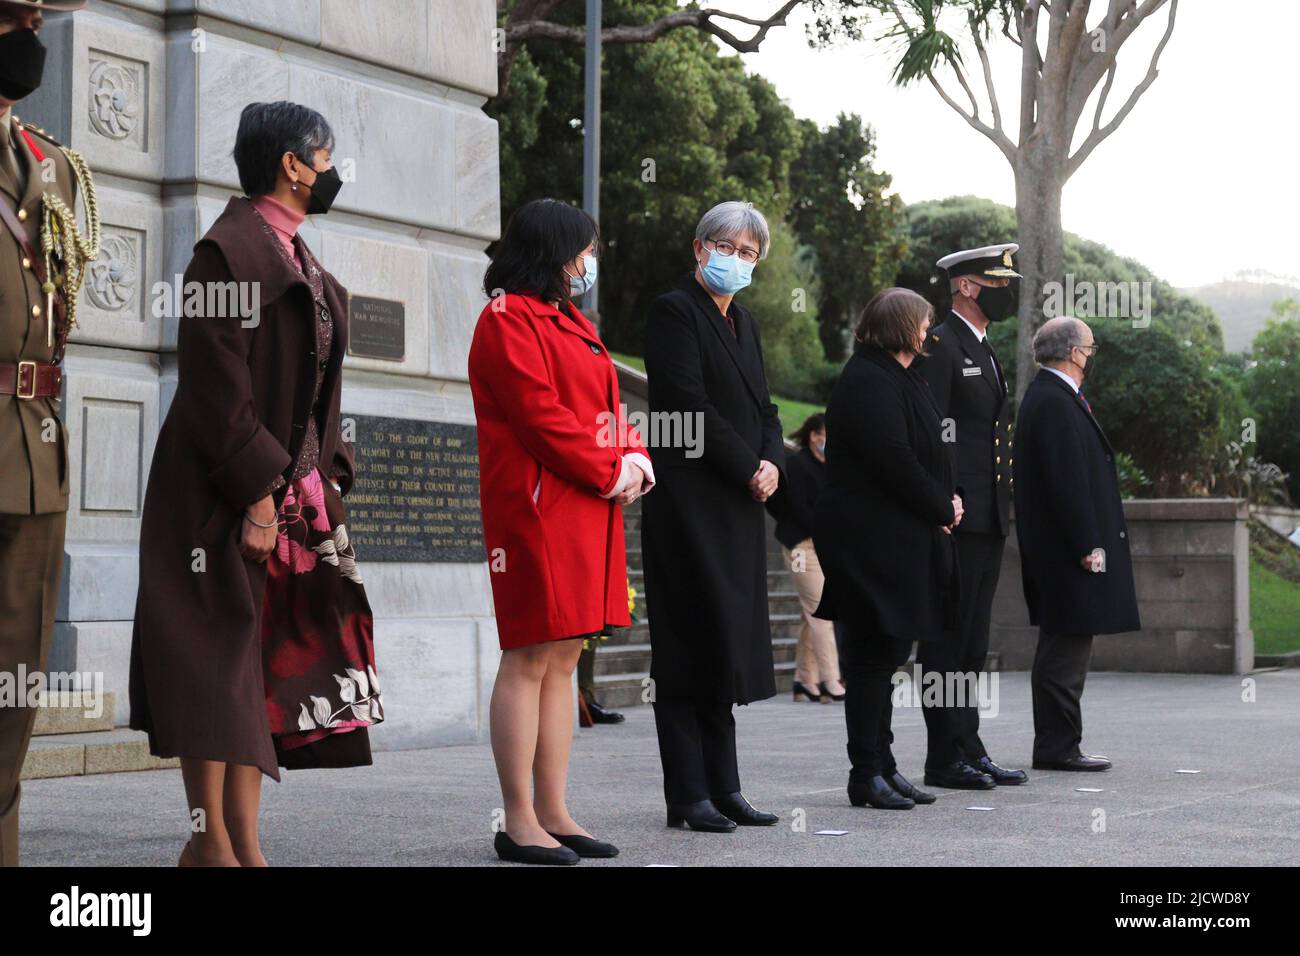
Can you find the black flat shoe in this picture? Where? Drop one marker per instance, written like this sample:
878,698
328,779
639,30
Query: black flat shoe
959,776
599,715
510,851
908,789
702,815
878,793
587,847
1082,762
835,697
1001,776
736,808
801,690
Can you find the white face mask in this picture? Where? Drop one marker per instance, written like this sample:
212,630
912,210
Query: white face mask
581,285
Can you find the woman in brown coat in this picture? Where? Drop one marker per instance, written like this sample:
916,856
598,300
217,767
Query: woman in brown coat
252,646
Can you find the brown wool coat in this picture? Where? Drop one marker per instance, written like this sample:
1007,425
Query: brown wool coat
242,402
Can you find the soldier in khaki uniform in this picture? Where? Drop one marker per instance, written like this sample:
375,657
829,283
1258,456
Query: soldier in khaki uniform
37,306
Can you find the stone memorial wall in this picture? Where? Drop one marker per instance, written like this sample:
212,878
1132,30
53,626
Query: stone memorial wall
150,92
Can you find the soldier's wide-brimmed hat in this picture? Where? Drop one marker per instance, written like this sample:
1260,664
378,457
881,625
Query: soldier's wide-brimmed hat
991,261
52,5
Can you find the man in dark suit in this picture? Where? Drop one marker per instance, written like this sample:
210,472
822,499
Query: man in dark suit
1074,546
971,391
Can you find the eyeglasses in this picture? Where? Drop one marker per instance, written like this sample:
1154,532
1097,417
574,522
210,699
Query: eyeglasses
1088,350
728,249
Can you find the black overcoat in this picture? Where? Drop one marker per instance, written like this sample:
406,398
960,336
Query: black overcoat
878,528
1067,504
703,536
970,389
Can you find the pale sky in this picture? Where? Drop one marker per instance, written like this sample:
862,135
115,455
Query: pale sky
1198,183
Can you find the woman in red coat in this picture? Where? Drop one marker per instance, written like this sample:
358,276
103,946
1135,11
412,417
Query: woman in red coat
556,461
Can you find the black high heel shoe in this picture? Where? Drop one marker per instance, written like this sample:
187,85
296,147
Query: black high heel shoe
815,697
586,846
702,815
877,792
510,851
834,697
735,807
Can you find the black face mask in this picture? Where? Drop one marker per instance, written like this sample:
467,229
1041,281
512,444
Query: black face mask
323,191
998,303
22,64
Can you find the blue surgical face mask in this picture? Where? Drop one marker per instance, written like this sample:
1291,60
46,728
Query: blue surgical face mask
581,285
727,275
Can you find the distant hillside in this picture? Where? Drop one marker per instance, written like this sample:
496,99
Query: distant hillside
1244,303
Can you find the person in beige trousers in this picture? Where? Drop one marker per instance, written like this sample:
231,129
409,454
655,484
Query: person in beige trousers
817,663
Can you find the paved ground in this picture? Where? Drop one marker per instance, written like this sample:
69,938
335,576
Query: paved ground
434,807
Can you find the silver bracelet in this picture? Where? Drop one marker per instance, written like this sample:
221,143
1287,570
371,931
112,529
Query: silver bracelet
258,524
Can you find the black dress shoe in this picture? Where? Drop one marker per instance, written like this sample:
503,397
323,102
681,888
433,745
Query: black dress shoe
510,851
877,792
599,715
702,815
801,690
908,789
827,693
585,846
736,808
1081,762
1001,776
959,776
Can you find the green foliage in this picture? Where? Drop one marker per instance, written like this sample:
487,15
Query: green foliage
842,210
1133,482
1272,386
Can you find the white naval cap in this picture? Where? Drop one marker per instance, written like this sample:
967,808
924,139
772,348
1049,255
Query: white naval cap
992,261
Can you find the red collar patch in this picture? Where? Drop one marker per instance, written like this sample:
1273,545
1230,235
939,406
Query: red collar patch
31,143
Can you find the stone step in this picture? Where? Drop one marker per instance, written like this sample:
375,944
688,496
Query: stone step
52,719
105,751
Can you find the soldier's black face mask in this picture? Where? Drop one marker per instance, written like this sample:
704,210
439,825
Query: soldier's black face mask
323,190
999,302
22,63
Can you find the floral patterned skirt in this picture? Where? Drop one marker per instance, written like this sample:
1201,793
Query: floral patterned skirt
318,652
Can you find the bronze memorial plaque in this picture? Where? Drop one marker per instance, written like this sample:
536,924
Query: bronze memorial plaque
416,492
376,328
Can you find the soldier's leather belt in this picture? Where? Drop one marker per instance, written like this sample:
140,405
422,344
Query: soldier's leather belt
29,380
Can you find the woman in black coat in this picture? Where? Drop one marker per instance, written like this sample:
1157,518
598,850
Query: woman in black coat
883,531
703,532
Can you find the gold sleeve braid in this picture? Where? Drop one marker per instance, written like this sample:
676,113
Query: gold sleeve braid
63,242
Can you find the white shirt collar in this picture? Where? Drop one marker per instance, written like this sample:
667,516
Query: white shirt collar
978,334
1064,378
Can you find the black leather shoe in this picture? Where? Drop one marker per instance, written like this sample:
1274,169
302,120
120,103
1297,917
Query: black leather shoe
959,776
802,690
585,846
877,792
908,789
736,808
1001,776
1081,762
826,692
510,851
702,815
599,715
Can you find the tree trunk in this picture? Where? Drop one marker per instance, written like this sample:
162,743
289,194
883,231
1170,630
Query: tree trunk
1039,181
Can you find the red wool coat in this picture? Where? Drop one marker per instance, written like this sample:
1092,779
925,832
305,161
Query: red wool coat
546,396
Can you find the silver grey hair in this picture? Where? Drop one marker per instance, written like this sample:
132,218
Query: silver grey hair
1054,340
731,221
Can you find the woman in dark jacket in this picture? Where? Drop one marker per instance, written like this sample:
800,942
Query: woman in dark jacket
253,642
817,664
883,531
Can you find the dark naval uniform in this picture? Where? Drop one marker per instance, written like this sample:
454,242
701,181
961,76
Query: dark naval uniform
33,441
970,389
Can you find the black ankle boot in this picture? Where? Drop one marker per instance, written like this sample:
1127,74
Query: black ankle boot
702,815
876,791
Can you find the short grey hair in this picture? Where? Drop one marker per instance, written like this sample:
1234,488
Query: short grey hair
731,221
1053,342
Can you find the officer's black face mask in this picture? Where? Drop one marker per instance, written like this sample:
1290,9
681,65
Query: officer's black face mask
22,63
323,190
999,302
